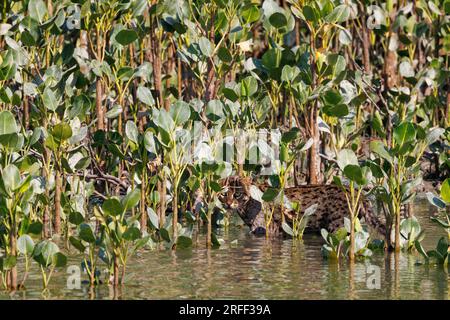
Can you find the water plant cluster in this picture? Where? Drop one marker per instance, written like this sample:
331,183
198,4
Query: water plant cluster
101,100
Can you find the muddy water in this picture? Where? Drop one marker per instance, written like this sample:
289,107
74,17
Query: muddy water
253,268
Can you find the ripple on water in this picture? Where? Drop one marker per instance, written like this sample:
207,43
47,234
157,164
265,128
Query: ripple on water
255,268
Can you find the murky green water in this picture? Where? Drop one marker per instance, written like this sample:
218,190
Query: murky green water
257,269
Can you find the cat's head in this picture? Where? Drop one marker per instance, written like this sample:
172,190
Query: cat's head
236,195
236,192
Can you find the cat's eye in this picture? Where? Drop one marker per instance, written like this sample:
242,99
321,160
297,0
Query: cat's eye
238,195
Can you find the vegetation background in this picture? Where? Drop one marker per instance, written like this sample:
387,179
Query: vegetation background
96,96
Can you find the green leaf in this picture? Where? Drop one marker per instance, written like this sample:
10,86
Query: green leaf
35,228
8,263
272,59
250,14
44,251
249,86
445,190
270,194
404,133
7,123
278,20
420,249
340,14
310,13
288,74
125,73
206,47
442,246
131,234
37,10
379,148
85,233
435,200
290,135
341,234
131,131
114,111
442,223
337,181
346,157
165,234
145,96
377,124
214,110
287,228
25,244
153,217
112,207
214,240
49,99
230,94
149,142
77,244
184,242
62,131
59,260
224,55
354,173
11,177
126,36
131,199
311,210
180,112
76,218
340,110
332,97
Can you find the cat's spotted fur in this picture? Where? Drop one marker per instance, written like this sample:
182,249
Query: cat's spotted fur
330,213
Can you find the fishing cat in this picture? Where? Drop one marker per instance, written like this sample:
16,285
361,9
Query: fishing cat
331,210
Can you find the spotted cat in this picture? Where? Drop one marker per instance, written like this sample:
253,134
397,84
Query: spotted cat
330,213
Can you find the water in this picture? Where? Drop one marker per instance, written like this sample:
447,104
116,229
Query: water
257,269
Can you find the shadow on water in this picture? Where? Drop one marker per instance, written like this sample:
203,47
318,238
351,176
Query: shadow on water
255,268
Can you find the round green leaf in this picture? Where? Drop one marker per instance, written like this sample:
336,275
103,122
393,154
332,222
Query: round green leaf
112,207
224,55
62,131
354,173
184,242
346,157
153,217
11,177
206,47
85,233
125,36
404,133
131,199
250,14
270,194
131,131
59,260
25,244
49,99
7,123
77,244
278,20
180,112
145,96
76,218
131,234
445,190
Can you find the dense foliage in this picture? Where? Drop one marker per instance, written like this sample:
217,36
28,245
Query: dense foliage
99,98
